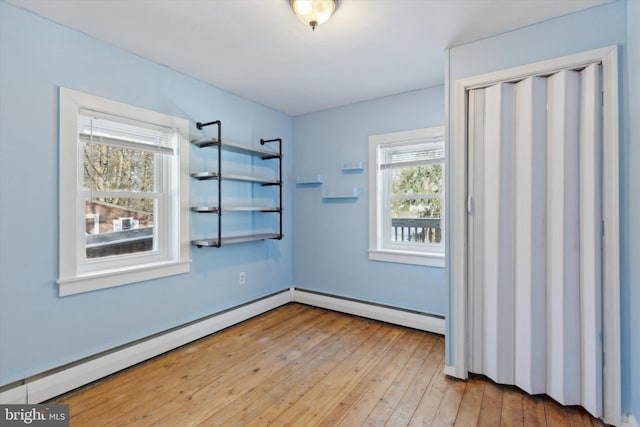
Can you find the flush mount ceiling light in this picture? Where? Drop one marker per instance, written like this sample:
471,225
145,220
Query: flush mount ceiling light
313,12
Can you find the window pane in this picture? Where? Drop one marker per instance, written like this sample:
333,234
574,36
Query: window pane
117,226
416,220
109,168
418,180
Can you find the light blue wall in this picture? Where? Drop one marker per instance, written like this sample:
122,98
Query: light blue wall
632,196
590,29
331,239
38,330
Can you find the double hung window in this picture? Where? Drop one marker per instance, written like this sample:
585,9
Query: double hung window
122,170
407,197
124,164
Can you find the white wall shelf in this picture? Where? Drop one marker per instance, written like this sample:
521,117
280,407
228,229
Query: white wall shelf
352,167
328,195
309,180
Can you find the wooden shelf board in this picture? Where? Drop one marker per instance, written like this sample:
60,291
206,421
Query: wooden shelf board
234,147
235,239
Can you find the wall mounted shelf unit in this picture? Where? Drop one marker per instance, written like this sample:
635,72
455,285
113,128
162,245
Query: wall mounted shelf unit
310,180
353,194
219,176
352,167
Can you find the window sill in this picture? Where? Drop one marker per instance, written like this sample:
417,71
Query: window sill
107,279
404,257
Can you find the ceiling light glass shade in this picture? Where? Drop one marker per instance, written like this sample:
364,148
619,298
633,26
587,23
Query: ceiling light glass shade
313,12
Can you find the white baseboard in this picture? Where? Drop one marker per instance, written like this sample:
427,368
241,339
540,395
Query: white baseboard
65,380
16,395
387,314
629,421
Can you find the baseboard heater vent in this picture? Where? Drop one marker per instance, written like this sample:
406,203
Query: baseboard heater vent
398,316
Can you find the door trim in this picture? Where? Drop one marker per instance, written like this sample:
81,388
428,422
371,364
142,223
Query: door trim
458,277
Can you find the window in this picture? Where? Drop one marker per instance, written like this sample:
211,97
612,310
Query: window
406,187
123,193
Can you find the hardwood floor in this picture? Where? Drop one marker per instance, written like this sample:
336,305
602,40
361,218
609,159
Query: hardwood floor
304,366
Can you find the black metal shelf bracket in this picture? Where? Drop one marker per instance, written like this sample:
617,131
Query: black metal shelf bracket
200,125
279,141
218,123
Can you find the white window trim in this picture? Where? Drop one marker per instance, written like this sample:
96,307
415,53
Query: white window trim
376,251
72,279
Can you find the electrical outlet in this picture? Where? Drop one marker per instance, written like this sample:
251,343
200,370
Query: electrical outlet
242,278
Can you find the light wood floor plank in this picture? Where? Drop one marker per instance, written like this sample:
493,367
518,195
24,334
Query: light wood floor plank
450,403
377,382
512,415
384,410
533,411
189,375
471,403
271,355
327,387
398,383
581,418
306,411
407,406
296,379
341,389
430,402
145,373
304,366
491,409
556,415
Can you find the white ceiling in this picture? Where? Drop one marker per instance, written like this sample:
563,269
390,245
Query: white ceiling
259,50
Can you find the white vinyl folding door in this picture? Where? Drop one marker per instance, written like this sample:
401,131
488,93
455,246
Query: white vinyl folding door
535,235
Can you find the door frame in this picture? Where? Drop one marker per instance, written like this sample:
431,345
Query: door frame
458,262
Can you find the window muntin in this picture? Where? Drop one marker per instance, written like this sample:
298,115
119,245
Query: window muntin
407,187
123,181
